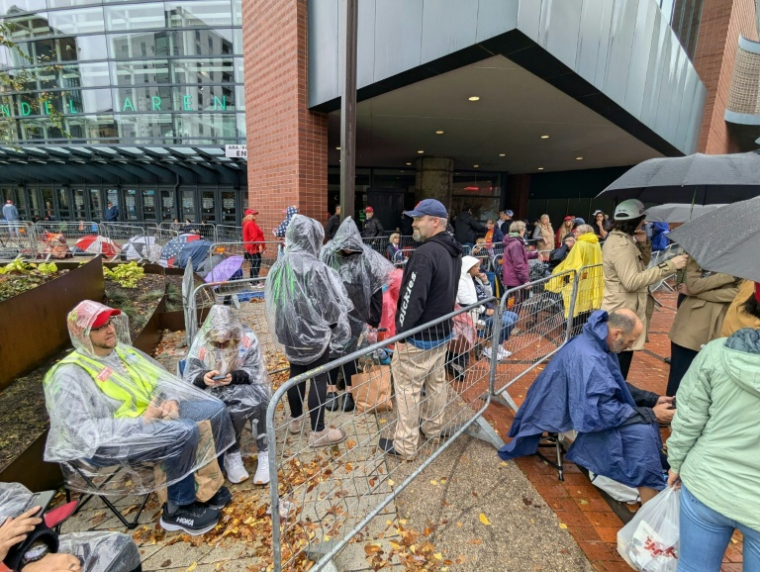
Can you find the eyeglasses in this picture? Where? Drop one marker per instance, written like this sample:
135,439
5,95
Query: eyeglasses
108,323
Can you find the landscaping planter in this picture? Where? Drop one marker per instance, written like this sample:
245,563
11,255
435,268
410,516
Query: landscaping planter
33,324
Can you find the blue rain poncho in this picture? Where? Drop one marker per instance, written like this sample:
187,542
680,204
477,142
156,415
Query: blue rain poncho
306,302
582,389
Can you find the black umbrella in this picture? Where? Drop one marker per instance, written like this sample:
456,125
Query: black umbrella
698,179
726,240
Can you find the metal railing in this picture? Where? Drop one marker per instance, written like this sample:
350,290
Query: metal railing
18,239
228,233
206,231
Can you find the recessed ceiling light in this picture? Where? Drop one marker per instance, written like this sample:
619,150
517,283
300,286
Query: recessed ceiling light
421,151
401,171
439,132
540,168
337,148
474,98
579,158
502,154
409,164
476,166
544,136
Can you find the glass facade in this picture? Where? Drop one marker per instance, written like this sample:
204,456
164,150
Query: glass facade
684,17
113,72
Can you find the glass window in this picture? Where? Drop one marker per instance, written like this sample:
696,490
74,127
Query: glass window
67,3
130,199
48,208
195,14
95,207
188,206
144,128
62,50
84,75
9,7
237,12
28,26
217,70
95,129
208,206
214,127
80,21
112,196
79,202
141,72
149,204
229,211
64,203
135,16
167,206
145,99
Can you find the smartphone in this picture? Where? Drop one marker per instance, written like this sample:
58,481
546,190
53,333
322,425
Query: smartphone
218,377
42,500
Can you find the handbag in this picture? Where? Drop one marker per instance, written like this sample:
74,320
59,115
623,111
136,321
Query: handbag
371,389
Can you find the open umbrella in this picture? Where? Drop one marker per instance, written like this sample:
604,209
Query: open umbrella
96,244
225,269
673,212
726,240
197,251
172,249
138,247
698,179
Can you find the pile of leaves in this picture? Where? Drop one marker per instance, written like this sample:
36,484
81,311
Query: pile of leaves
125,275
18,276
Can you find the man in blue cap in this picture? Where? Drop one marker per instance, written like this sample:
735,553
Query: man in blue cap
505,217
428,291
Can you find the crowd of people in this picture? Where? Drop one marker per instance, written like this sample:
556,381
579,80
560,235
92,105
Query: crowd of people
113,408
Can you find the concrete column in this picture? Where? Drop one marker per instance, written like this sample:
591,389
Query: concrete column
434,179
287,143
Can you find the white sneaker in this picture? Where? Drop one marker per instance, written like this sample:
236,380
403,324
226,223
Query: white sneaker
233,464
502,353
262,470
487,353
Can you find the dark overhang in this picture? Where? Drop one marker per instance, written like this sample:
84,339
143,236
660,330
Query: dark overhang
120,165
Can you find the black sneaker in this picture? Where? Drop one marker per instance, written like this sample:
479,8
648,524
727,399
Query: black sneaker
348,402
331,402
194,519
220,500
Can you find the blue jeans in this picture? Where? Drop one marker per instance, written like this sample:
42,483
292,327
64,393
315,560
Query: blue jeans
705,534
508,321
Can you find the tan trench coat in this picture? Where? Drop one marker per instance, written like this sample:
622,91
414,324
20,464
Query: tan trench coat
700,316
626,278
736,318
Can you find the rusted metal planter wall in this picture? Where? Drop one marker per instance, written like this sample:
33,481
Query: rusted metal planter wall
33,324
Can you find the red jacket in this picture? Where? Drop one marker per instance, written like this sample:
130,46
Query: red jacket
252,233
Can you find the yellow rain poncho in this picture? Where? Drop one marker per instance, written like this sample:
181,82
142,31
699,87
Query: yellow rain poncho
586,254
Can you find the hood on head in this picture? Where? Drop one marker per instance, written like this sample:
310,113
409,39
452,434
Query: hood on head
743,363
80,322
588,237
305,234
467,263
223,324
347,237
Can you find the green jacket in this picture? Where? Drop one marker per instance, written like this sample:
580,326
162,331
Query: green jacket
714,445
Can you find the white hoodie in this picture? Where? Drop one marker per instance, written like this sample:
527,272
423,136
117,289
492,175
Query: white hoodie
466,293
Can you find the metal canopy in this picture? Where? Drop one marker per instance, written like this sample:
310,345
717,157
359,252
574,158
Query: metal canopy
120,164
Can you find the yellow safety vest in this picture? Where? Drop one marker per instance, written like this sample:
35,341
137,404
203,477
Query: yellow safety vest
134,392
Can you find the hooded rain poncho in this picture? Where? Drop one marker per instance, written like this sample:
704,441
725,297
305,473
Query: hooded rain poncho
97,551
97,405
582,389
585,253
306,302
225,345
364,273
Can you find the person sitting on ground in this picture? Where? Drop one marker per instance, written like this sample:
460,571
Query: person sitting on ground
744,311
558,255
225,360
582,389
364,272
475,287
493,234
307,309
110,405
28,543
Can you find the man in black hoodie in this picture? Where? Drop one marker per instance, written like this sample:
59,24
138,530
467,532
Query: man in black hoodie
428,292
467,228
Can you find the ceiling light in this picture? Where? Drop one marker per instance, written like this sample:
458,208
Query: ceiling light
579,158
540,168
421,151
544,136
476,166
439,132
409,164
502,154
337,148
474,98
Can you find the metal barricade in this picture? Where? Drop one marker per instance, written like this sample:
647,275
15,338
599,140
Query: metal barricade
323,497
659,257
228,233
121,232
585,296
17,240
221,250
538,312
206,231
72,231
377,243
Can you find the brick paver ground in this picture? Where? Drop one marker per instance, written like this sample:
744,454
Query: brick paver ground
577,503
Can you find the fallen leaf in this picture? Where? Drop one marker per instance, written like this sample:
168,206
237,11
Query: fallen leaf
476,541
438,556
484,519
563,526
459,524
192,567
434,483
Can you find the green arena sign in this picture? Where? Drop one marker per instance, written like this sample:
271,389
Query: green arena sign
68,106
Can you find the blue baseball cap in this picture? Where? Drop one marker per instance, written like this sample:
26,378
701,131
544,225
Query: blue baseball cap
509,212
429,207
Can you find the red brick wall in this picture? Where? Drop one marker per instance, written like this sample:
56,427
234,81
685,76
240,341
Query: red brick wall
722,23
287,143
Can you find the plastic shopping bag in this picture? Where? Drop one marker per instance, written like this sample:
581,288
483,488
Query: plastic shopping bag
650,541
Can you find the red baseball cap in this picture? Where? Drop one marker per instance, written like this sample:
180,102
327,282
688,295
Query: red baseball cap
251,212
369,210
104,316
568,217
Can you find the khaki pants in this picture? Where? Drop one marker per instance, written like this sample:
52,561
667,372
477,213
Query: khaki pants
413,367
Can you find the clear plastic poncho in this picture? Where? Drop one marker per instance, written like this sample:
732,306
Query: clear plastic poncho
306,302
363,270
97,551
225,345
123,414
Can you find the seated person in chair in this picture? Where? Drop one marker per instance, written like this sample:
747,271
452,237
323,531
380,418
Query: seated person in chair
226,349
28,543
583,389
111,406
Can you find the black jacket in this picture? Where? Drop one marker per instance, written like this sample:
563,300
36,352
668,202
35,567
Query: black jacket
558,255
429,286
373,227
467,228
332,226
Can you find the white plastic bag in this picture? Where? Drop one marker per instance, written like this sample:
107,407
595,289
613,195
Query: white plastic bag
616,490
650,541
